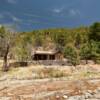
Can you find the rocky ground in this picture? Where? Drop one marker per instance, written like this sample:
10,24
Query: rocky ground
76,86
50,89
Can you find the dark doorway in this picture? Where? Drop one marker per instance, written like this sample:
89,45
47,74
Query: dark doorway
43,57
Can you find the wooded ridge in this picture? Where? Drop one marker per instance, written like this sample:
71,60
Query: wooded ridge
82,43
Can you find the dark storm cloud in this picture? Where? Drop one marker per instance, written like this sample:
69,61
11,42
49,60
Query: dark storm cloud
36,14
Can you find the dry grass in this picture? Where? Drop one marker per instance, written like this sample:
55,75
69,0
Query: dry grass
41,71
38,72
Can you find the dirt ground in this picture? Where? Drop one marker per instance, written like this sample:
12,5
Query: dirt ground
47,89
57,83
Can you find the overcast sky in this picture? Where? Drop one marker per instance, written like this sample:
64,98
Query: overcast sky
39,14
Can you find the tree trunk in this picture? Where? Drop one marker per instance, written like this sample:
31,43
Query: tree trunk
5,65
86,61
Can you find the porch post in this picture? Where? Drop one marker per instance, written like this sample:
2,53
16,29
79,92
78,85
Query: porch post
48,58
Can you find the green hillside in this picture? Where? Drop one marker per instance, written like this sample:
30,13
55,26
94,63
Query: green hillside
82,43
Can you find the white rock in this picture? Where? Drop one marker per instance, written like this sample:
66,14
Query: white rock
89,91
91,99
76,98
97,96
57,96
5,98
65,96
88,95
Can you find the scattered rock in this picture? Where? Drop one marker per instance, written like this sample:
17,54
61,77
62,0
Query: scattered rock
97,96
88,95
65,96
5,98
76,98
57,96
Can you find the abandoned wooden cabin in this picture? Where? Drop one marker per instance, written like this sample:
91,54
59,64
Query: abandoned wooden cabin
47,55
